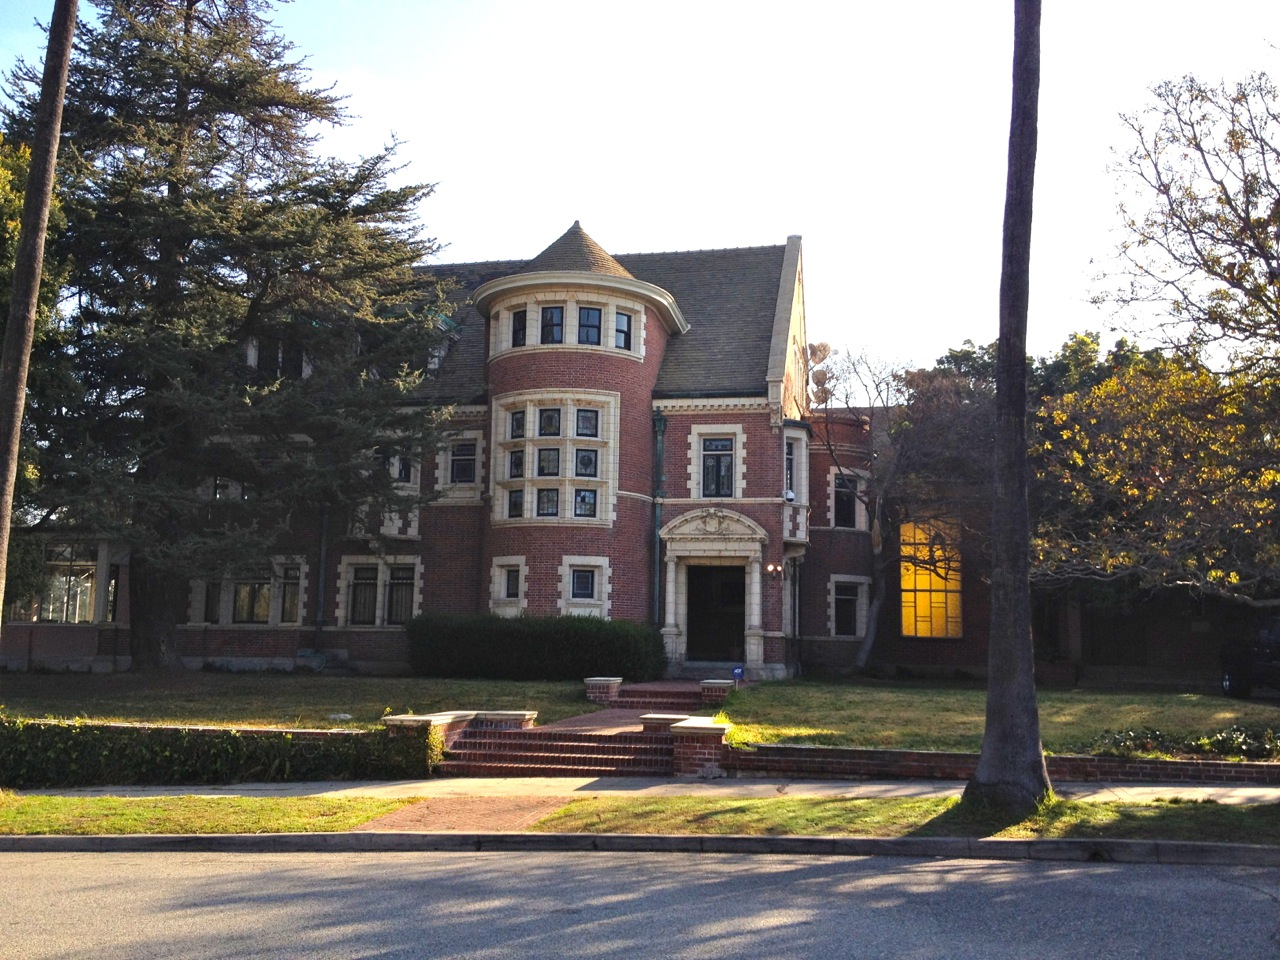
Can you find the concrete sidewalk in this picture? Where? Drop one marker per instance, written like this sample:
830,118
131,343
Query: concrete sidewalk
570,787
477,815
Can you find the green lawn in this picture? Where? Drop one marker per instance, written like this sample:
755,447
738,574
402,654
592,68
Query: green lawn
931,817
187,815
277,700
933,717
912,715
793,816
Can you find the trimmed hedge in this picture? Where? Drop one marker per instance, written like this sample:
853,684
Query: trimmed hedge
489,647
53,753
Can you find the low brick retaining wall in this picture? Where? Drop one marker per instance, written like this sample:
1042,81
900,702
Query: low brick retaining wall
838,763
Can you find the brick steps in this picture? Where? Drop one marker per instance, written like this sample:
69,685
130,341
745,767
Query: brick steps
550,753
669,703
457,768
673,699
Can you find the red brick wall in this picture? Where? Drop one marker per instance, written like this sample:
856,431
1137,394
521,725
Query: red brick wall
628,541
455,575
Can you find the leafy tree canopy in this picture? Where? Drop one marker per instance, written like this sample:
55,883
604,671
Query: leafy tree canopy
1165,473
237,307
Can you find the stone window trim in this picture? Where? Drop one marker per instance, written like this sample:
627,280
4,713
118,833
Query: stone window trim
575,568
500,602
858,479
462,462
799,443
838,585
446,462
708,431
382,585
620,331
568,462
286,574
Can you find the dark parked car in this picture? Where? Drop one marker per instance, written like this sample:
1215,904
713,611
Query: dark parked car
1249,662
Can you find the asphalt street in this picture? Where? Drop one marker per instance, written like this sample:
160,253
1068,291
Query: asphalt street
501,905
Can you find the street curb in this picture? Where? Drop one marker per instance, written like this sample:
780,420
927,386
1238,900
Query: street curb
949,848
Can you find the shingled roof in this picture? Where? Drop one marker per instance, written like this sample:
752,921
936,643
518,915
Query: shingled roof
577,252
729,298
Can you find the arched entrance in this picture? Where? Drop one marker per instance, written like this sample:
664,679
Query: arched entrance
713,598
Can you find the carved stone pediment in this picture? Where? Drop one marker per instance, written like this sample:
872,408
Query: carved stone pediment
714,523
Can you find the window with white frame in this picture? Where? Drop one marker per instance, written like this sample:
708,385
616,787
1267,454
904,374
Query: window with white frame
251,597
362,595
277,358
460,467
795,464
378,591
462,462
507,586
585,586
565,466
291,593
717,461
847,493
268,595
847,605
598,320
400,594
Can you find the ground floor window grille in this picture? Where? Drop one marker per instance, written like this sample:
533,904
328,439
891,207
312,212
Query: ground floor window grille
400,595
364,596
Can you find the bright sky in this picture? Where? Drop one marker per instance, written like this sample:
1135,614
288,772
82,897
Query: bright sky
877,131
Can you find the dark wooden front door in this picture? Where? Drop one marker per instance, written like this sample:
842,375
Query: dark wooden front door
717,613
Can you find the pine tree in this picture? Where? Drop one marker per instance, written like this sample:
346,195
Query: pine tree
240,309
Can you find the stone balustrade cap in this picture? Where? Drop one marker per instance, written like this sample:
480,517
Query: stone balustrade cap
418,719
702,725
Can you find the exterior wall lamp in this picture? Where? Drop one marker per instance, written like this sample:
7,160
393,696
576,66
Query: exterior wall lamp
774,570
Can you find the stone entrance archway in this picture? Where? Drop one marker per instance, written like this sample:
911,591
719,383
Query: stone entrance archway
713,537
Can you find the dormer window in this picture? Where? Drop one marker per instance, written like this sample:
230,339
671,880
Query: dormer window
589,325
552,325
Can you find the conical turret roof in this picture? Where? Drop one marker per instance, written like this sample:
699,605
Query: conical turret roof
577,252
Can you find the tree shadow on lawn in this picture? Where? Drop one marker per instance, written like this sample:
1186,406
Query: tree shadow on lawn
972,819
1171,820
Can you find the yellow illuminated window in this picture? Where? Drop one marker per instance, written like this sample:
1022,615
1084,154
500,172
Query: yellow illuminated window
930,581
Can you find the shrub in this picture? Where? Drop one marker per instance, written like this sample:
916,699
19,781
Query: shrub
533,648
1253,744
55,753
